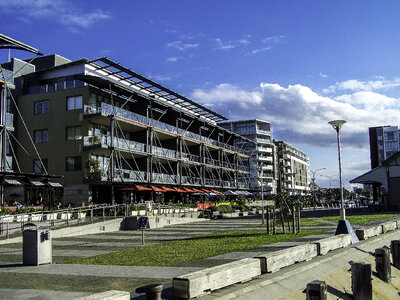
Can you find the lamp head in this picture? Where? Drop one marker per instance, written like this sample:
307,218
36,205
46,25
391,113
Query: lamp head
337,124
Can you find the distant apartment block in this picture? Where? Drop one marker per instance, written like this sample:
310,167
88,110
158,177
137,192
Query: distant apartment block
263,154
293,169
384,142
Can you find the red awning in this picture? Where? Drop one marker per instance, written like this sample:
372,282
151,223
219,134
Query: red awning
197,190
136,187
167,189
179,190
207,191
156,189
189,190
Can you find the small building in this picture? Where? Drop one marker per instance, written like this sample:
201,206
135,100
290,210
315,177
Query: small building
385,180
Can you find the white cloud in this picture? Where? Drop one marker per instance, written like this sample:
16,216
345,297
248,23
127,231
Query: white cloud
323,75
172,59
179,45
255,51
59,11
300,115
357,85
232,44
275,39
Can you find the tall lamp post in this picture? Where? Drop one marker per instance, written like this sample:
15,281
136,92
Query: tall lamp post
313,183
337,124
343,225
262,193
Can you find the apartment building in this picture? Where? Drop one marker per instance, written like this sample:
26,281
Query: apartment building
293,169
384,141
264,162
107,130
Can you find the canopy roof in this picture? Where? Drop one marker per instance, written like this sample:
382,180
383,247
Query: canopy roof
9,43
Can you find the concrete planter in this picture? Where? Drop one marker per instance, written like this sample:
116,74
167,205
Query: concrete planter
49,217
79,214
142,213
21,218
64,216
6,219
35,217
134,213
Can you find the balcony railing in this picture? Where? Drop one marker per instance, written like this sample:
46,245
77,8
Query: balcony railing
159,151
107,109
119,143
190,157
10,120
164,178
191,180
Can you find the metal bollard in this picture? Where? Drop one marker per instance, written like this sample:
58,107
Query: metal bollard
361,281
382,260
395,249
153,291
316,290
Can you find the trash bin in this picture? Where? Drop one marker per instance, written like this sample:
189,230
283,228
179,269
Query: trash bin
36,244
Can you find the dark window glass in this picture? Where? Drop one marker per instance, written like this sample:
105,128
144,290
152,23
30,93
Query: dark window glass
74,103
41,107
37,166
41,136
74,133
73,163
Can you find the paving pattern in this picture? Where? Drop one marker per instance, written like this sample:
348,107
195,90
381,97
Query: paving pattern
47,281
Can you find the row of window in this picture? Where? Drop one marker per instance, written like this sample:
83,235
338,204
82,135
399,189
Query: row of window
72,163
72,133
42,107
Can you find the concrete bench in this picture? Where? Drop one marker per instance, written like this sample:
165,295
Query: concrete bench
274,261
332,243
368,232
389,226
109,295
197,283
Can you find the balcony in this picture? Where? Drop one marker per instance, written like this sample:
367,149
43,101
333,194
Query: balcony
163,152
164,178
264,149
10,121
105,141
120,175
189,180
107,109
190,157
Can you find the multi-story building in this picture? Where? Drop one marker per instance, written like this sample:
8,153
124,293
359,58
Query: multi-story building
108,130
263,166
384,141
293,169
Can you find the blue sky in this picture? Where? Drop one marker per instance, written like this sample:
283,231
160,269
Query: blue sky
297,64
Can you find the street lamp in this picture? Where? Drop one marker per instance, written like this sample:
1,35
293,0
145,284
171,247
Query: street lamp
313,183
343,225
337,124
262,194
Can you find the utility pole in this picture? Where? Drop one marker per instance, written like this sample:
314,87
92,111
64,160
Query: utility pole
313,184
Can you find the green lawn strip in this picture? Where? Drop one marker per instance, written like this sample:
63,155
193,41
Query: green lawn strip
303,222
176,252
362,219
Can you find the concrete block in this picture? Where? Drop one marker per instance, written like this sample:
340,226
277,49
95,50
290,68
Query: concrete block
274,261
197,283
389,226
368,232
332,243
109,295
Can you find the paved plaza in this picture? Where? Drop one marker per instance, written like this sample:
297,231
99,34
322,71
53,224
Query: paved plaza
48,281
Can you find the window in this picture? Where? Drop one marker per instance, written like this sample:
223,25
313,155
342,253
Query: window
38,167
41,107
73,163
41,136
74,133
74,103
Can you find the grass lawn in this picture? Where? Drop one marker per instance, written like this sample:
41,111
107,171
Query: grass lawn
175,252
303,222
363,219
